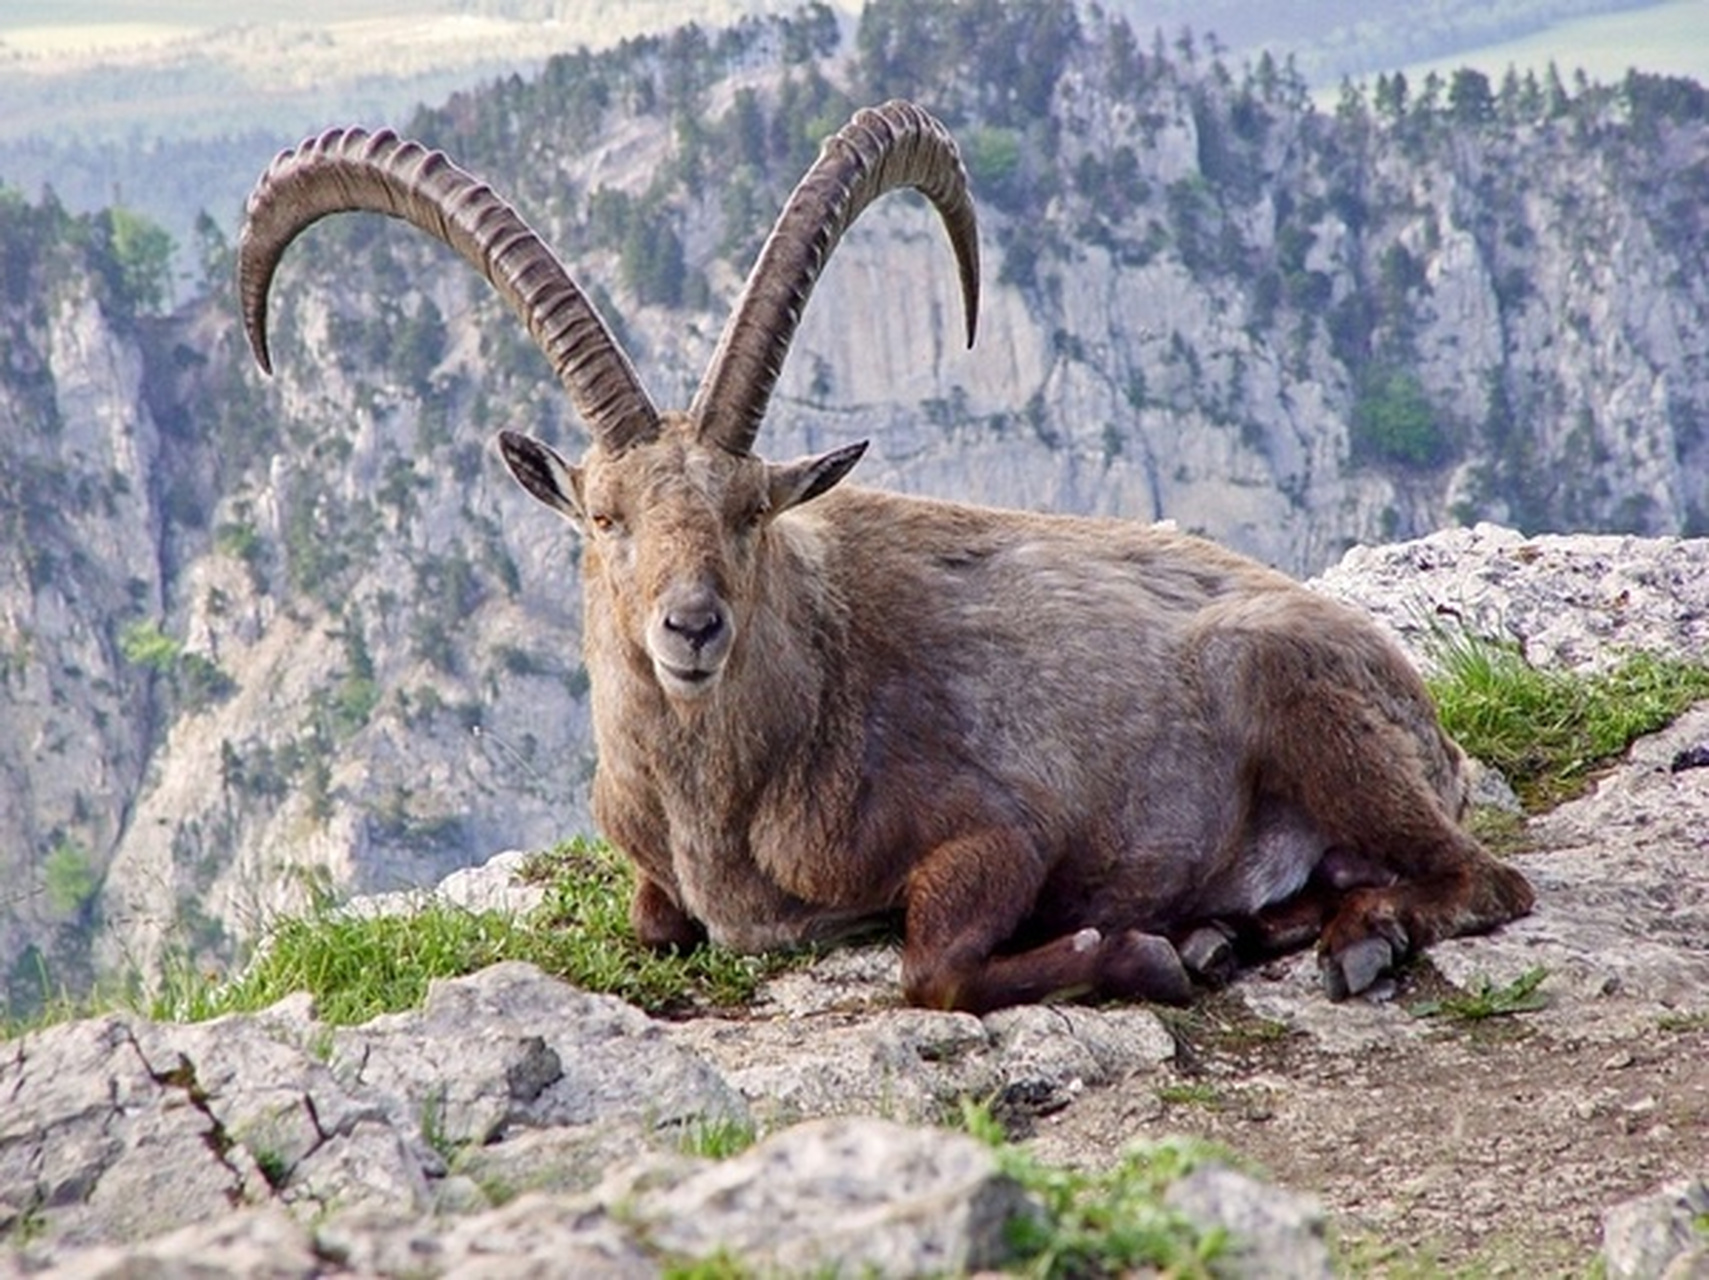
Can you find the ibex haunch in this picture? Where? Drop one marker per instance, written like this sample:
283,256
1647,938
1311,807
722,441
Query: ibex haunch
1075,756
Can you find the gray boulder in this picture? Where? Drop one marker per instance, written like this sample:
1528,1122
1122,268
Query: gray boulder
1277,1234
1664,1236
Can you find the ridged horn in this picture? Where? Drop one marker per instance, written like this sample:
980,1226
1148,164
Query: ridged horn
879,150
351,170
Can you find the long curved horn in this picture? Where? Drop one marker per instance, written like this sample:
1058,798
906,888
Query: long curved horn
345,170
879,150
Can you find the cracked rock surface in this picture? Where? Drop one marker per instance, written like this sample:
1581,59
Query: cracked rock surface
516,1118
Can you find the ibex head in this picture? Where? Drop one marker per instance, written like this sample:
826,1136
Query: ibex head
675,505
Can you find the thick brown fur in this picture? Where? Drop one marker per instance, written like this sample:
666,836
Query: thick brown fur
1066,752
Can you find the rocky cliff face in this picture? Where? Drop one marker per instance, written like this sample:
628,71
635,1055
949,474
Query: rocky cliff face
78,492
259,640
240,673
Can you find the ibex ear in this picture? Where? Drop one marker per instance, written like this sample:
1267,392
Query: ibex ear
793,483
539,469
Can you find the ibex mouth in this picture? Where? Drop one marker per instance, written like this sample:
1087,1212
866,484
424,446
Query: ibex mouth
684,682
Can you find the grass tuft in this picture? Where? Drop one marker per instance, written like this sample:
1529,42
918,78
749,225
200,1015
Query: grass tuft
355,967
1678,1023
1190,1093
1106,1223
1548,731
582,934
718,1137
1485,1000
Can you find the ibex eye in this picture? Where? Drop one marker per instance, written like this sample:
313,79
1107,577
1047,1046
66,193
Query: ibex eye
604,523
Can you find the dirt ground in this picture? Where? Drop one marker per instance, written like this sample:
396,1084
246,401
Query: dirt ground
1480,1148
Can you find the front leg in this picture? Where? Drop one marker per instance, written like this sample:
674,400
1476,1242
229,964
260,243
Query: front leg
970,895
659,922
634,823
1463,890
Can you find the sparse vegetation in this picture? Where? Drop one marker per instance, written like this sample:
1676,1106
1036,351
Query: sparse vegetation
718,1137
69,877
196,680
1680,1023
1393,422
1190,1093
1106,1223
1548,731
1486,1000
358,967
144,644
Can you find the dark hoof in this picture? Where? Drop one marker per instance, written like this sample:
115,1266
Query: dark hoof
1355,968
1208,953
1143,966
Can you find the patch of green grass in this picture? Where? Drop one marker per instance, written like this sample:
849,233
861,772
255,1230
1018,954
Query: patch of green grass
433,1127
1494,1255
272,1163
1486,1000
359,967
721,1265
1107,1223
355,968
53,1007
1502,831
1190,1093
586,917
1682,1022
1547,731
718,1137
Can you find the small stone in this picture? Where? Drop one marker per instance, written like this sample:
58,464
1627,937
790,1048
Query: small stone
1695,756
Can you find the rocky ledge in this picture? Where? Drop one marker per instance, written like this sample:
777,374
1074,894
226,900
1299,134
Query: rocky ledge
517,1126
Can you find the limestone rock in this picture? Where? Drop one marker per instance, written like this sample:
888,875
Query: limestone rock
119,1129
918,1064
508,1049
1273,1233
251,1244
1659,1236
849,1196
1578,601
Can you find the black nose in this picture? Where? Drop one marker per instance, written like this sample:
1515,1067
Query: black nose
699,624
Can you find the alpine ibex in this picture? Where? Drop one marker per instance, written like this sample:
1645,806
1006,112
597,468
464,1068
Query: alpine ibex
1072,756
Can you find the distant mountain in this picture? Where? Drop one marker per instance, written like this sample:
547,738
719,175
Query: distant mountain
168,115
261,639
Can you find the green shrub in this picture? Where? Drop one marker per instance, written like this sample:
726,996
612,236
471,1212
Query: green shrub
68,876
143,644
1394,422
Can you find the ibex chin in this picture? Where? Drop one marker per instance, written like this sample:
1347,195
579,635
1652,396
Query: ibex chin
1072,757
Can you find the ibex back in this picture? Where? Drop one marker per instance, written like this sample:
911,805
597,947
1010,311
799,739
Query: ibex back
1074,757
